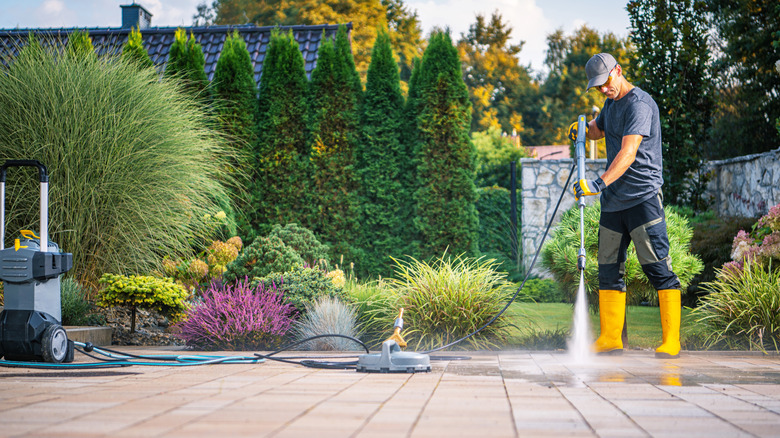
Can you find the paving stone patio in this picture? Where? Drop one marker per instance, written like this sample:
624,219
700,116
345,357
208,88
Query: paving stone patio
495,394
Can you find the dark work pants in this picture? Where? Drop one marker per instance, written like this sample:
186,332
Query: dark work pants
645,225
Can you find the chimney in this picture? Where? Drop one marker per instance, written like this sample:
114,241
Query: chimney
134,15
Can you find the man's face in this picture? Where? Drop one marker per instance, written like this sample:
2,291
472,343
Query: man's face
609,88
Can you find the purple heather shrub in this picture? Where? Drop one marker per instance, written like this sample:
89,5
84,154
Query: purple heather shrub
237,316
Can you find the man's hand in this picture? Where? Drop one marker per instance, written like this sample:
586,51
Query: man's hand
573,131
585,187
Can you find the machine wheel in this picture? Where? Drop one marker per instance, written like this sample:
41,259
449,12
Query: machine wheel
54,344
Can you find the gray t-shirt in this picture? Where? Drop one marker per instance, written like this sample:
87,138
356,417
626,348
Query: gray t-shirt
635,114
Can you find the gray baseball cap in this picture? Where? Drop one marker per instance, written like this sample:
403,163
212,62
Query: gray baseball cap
598,68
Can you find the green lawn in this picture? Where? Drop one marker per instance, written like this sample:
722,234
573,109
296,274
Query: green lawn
644,323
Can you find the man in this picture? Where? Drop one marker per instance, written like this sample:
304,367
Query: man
631,204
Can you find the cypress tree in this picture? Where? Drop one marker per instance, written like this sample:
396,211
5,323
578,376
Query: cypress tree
446,159
134,50
235,103
344,50
80,45
280,194
408,176
187,64
381,158
333,119
235,92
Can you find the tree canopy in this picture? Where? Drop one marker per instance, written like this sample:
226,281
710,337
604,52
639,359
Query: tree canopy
748,100
563,94
671,64
367,15
500,88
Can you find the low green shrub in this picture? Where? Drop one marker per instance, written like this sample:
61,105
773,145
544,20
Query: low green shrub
327,315
448,299
76,307
264,256
543,290
209,265
160,294
302,241
559,256
302,286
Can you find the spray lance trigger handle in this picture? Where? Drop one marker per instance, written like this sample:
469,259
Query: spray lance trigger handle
574,131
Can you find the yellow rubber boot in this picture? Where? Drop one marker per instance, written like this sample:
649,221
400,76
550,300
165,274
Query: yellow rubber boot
669,302
612,313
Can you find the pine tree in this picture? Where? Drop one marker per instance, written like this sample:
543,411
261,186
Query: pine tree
445,201
280,194
186,63
134,50
80,45
381,158
333,121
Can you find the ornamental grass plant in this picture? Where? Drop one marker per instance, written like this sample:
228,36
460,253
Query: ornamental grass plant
375,308
559,256
133,165
237,317
449,298
327,315
742,309
743,305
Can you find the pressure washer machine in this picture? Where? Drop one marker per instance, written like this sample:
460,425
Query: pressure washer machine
30,324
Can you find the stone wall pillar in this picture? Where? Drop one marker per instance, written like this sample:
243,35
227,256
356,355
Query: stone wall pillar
542,183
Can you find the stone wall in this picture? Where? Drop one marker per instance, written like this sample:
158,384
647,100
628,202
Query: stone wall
744,186
542,183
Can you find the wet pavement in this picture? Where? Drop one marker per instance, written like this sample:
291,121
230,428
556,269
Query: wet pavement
509,393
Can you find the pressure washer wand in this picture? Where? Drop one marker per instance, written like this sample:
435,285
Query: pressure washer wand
579,150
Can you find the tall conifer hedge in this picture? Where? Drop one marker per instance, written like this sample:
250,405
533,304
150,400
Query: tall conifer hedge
281,191
134,50
186,63
445,200
381,158
333,120
235,91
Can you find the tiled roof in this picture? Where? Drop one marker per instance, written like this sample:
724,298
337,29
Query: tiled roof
158,40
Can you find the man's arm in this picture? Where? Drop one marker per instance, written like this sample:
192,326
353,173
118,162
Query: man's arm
623,160
594,133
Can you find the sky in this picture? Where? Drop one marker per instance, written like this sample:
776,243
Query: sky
531,20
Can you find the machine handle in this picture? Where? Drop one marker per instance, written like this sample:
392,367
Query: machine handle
44,178
579,146
44,174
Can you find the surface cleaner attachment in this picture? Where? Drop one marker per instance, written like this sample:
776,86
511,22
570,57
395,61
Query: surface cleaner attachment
392,359
30,324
